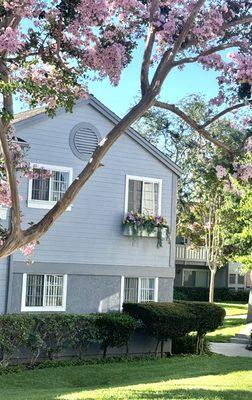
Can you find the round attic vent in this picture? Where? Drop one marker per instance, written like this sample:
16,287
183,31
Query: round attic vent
84,139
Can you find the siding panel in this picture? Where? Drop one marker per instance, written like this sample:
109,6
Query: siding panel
91,232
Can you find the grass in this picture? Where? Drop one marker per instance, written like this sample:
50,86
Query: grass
180,378
233,308
228,330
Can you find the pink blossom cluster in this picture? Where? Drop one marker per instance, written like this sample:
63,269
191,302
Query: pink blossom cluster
28,249
243,66
9,39
221,172
5,195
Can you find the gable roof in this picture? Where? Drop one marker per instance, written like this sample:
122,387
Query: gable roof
39,113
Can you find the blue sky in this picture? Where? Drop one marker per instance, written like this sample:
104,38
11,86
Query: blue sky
179,84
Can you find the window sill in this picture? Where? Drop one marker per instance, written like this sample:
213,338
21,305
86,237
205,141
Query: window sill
127,231
46,205
42,309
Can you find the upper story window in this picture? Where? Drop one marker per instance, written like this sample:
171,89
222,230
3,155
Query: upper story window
44,192
232,279
44,292
143,195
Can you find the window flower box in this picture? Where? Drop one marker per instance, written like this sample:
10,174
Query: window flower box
138,225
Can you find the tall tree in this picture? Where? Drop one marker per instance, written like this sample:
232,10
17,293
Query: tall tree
210,202
50,49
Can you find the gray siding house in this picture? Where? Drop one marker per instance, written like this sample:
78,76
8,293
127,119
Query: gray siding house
191,269
85,263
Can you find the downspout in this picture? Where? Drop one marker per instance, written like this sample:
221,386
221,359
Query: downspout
9,273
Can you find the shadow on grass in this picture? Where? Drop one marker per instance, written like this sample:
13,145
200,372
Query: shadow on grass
69,382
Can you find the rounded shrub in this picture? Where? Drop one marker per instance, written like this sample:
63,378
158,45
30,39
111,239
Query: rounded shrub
113,330
161,320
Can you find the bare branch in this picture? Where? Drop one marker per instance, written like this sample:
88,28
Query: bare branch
192,123
149,47
224,112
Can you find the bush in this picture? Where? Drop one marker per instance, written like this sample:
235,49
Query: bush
202,294
113,330
161,320
207,318
188,345
82,333
14,332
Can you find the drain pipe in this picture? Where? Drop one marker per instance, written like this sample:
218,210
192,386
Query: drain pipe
9,272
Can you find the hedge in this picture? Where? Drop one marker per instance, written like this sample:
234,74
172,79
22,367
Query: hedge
161,320
207,318
173,320
202,294
49,334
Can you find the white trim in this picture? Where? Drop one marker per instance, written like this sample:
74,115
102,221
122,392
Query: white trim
194,269
122,292
156,290
139,287
43,308
142,179
47,204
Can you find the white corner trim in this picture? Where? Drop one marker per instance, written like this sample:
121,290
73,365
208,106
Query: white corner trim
47,204
122,292
156,290
143,179
25,308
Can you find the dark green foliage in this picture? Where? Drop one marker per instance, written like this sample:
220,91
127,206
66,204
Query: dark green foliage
161,320
207,318
188,345
82,333
14,332
202,294
113,330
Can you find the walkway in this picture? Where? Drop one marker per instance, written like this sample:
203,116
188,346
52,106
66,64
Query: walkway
230,349
235,349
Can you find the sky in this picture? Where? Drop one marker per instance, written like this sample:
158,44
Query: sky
178,85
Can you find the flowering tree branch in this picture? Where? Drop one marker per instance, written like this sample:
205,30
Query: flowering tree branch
192,123
224,112
98,38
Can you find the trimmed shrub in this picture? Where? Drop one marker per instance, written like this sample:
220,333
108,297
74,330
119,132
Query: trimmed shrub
202,294
188,345
113,330
51,334
162,320
14,332
207,318
82,333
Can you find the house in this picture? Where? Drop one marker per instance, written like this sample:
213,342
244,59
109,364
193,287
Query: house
85,263
192,270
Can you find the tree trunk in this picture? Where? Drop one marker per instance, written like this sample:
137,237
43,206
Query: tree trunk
249,317
211,286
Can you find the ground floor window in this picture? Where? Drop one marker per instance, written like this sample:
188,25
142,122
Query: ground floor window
195,278
45,292
232,279
140,289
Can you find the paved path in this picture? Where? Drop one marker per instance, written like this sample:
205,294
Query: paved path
230,349
240,316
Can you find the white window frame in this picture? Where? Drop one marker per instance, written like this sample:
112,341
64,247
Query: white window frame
144,180
194,269
47,204
43,308
139,288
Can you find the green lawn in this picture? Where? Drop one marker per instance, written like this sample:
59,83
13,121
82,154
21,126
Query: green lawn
233,308
228,330
179,378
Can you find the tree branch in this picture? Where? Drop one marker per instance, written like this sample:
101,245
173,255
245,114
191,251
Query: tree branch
192,123
166,62
10,169
208,52
223,112
235,22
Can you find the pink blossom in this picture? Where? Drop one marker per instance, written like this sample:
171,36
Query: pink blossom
221,172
